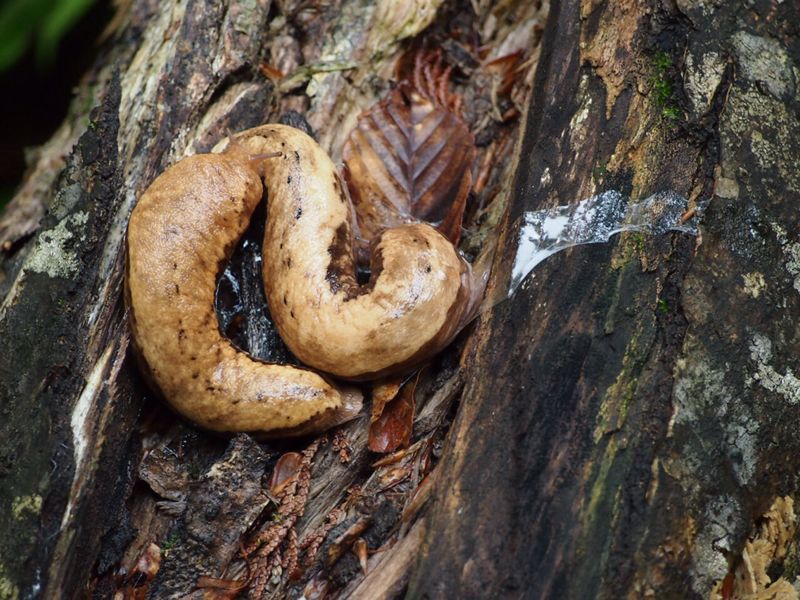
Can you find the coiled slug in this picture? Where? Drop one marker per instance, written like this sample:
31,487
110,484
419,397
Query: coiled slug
419,293
184,229
180,234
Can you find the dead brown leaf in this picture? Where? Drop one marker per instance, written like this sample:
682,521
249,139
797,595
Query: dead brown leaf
506,70
317,587
383,392
393,428
137,583
409,159
361,551
346,540
286,469
390,477
220,589
272,73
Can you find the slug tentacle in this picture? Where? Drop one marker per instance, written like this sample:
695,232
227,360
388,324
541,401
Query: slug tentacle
416,301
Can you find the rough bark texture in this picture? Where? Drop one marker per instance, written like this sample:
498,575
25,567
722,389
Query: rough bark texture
95,473
631,413
70,396
627,420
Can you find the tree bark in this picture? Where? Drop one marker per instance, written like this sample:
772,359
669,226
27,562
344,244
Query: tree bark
628,419
630,416
94,470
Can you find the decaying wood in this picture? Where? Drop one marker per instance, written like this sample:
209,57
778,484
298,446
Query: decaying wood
217,514
626,423
103,489
630,416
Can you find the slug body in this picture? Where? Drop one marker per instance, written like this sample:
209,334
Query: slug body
180,234
184,229
415,302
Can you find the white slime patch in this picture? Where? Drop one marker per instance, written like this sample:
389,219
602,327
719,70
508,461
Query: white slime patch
593,221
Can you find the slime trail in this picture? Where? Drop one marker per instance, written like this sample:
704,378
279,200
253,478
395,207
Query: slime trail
591,221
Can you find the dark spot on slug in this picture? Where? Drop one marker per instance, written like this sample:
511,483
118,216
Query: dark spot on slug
235,401
340,274
192,358
210,388
289,179
288,262
296,156
291,312
427,244
181,334
195,375
174,265
428,269
283,143
177,290
298,213
285,301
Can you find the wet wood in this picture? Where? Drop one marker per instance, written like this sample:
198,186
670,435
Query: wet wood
102,488
628,417
626,423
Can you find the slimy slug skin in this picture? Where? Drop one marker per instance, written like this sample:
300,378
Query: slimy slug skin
414,303
184,229
180,234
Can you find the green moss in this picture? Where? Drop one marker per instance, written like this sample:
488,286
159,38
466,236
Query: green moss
630,247
599,172
617,399
23,505
662,87
169,543
597,493
671,113
616,402
663,306
8,591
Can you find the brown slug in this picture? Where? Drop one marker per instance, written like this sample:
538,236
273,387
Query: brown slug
183,230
